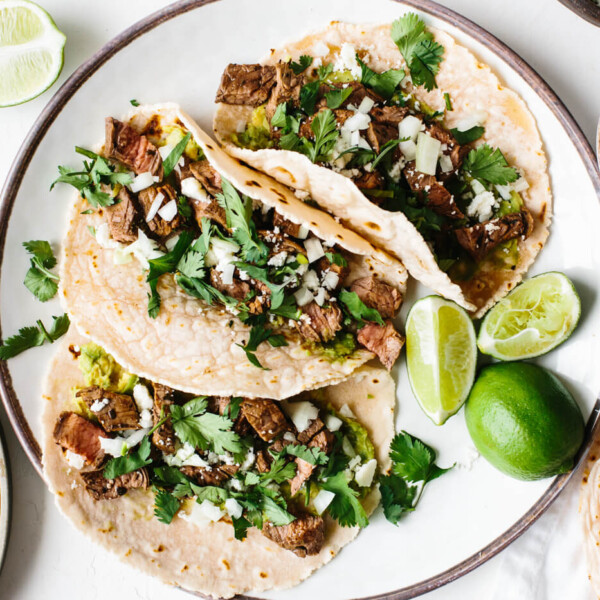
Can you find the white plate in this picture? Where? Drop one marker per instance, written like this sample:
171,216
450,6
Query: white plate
465,516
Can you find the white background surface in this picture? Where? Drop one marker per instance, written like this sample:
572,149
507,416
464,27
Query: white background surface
562,47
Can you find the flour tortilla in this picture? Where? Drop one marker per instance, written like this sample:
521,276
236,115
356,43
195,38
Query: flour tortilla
589,510
191,346
206,559
472,86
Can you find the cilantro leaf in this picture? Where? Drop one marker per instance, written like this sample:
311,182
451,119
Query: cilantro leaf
324,127
130,462
489,165
384,84
309,95
358,309
275,513
397,497
258,335
448,102
345,506
468,136
29,337
422,54
239,219
41,282
280,470
337,96
212,493
183,207
165,506
336,259
412,459
240,527
303,63
313,456
171,161
134,102
202,429
279,119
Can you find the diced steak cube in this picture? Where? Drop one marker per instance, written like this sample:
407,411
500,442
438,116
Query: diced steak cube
287,88
322,323
101,488
164,437
304,536
75,433
246,84
161,228
379,295
207,175
265,417
215,476
123,218
382,340
116,412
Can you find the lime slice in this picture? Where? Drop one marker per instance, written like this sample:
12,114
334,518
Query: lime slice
31,51
534,318
441,356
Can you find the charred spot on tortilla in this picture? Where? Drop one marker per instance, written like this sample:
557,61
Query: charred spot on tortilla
372,225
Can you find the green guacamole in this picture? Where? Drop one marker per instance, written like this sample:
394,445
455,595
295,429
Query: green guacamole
100,368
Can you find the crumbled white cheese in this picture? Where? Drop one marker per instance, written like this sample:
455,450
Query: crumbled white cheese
482,206
185,456
98,405
396,171
288,436
233,508
520,185
249,460
146,419
142,397
278,260
347,60
301,413
75,460
365,473
203,513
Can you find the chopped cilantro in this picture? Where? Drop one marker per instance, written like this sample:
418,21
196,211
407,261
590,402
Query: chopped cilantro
488,165
468,136
303,63
165,506
313,456
171,161
39,280
345,506
448,102
30,337
384,84
336,259
134,102
258,335
130,462
309,95
336,97
357,309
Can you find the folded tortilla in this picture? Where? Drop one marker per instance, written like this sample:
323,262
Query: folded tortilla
192,346
589,511
472,86
206,559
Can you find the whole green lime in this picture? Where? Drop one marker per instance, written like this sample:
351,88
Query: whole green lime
524,421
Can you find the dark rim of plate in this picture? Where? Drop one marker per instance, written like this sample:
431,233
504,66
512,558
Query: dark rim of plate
88,68
586,9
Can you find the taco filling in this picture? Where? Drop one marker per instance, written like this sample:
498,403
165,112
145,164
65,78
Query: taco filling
368,126
168,207
280,467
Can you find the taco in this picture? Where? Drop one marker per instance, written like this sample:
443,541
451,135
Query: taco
589,510
444,167
218,495
204,275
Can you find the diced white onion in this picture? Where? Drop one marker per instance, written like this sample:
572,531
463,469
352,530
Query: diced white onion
171,242
288,436
75,460
366,105
144,249
156,203
168,211
303,296
333,423
357,121
428,150
346,411
121,256
347,447
141,182
227,273
191,188
520,185
320,296
104,239
113,446
323,500
331,280
474,119
165,150
302,233
446,163
409,127
220,252
320,49
504,191
203,513
301,413
142,397
233,508
314,249
311,280
146,419
365,473
477,186
408,149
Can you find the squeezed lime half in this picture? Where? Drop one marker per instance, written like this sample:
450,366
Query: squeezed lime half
31,51
441,356
538,315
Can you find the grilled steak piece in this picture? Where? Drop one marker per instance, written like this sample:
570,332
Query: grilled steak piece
164,437
278,242
390,115
379,134
304,536
369,181
220,405
285,226
216,476
246,84
265,417
432,192
101,488
313,428
325,264
382,340
123,218
116,412
322,324
287,88
238,289
263,461
157,225
457,152
379,295
75,433
303,472
479,239
209,209
324,441
207,175
126,145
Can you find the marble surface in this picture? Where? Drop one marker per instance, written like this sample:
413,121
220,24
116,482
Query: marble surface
43,548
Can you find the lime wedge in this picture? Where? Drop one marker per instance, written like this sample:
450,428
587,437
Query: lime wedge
31,51
441,355
538,315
